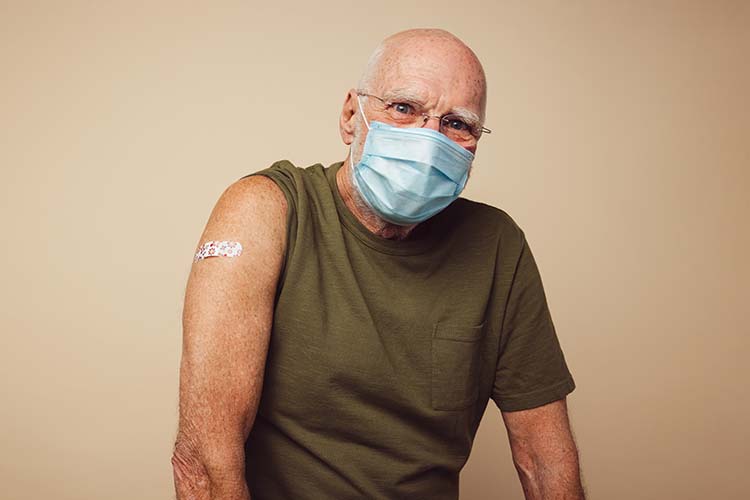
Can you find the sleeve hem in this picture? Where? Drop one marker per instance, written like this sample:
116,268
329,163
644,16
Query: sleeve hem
536,398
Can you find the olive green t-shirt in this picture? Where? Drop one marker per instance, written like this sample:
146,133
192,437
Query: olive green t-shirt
384,354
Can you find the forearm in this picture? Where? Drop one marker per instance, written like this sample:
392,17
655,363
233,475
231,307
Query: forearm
198,477
551,480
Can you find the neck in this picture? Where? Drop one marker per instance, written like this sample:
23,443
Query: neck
362,212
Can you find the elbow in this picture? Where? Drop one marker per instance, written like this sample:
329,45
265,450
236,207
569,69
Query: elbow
203,473
526,466
534,466
549,475
191,479
529,474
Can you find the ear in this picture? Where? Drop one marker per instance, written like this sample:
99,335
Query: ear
348,115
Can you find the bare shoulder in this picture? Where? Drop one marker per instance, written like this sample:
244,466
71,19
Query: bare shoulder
256,198
255,189
251,211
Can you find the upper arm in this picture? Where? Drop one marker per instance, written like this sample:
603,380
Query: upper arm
540,434
227,319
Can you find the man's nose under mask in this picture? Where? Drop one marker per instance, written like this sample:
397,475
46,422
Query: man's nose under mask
407,175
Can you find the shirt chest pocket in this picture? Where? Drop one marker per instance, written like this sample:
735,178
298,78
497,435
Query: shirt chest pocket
455,366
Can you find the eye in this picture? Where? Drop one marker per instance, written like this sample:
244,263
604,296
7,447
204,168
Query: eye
403,108
457,124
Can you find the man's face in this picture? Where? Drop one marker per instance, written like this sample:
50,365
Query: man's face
437,78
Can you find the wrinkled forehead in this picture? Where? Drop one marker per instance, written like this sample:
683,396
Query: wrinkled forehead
433,72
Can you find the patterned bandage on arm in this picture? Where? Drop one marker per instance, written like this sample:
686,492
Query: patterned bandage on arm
218,249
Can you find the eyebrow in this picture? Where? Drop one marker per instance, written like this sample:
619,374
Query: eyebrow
467,115
404,94
417,98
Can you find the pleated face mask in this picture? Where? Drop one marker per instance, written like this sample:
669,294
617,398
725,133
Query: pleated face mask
407,175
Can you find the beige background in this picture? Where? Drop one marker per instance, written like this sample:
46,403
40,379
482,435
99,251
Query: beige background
621,144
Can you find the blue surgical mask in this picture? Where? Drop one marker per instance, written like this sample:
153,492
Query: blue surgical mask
407,175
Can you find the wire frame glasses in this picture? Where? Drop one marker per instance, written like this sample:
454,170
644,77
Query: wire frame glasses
404,113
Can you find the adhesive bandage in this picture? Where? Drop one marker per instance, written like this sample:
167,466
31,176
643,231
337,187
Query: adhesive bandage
219,249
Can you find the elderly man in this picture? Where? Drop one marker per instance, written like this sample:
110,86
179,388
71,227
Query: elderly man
353,321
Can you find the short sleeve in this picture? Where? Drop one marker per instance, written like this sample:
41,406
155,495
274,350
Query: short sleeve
531,370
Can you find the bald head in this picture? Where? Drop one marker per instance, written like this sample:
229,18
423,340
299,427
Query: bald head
426,56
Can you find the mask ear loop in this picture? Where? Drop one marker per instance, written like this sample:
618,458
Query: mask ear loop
351,149
359,102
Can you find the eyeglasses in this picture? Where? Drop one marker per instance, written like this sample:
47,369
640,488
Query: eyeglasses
405,113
